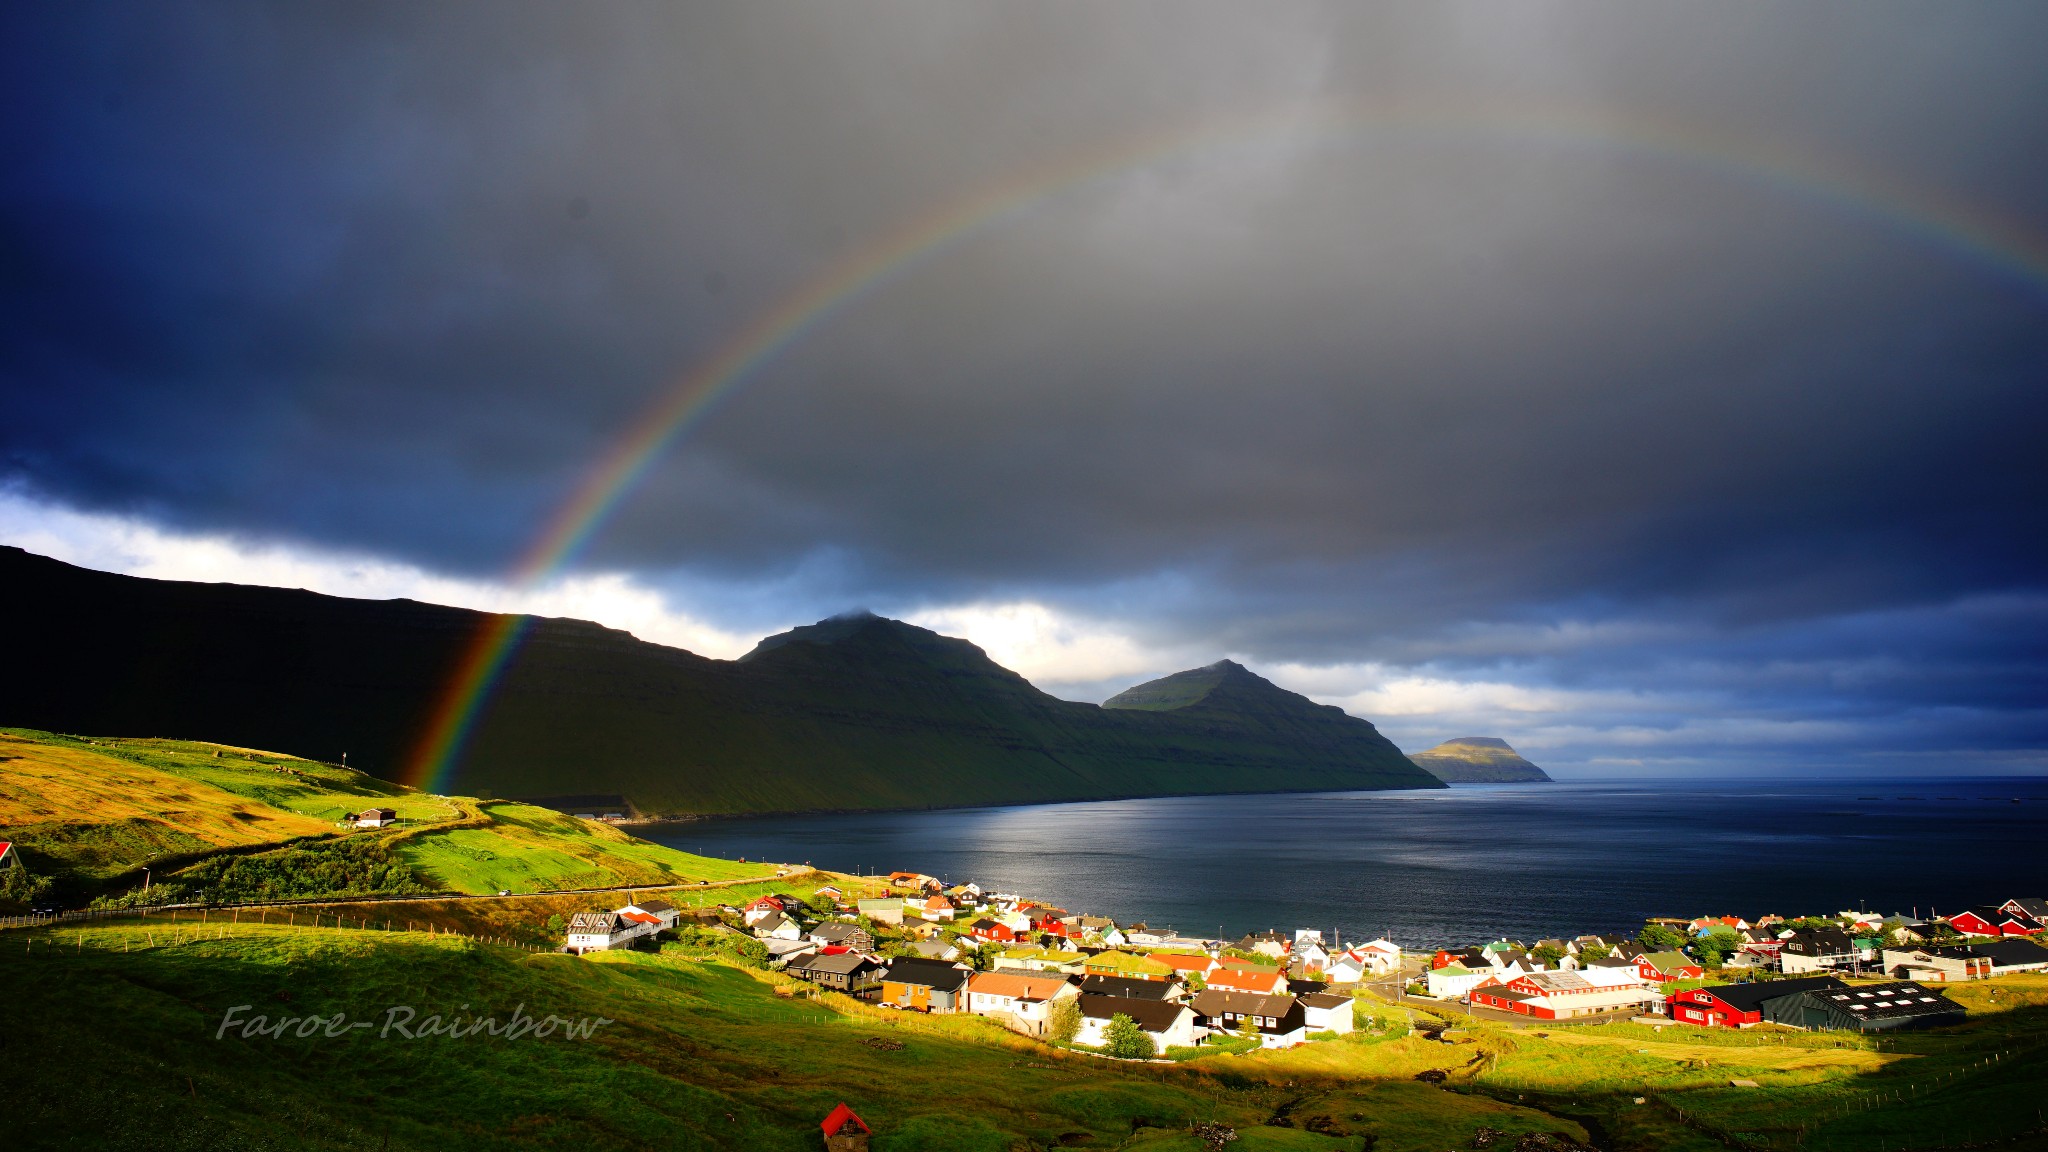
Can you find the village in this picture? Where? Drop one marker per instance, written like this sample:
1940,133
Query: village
1134,992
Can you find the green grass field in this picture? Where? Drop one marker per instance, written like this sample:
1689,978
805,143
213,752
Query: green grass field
94,812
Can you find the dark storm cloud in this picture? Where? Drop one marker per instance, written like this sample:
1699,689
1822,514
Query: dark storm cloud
393,277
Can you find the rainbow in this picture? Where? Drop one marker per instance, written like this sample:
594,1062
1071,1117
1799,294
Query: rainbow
1941,221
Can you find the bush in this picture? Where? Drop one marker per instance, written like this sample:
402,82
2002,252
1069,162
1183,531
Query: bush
352,866
1125,1040
1065,1022
18,886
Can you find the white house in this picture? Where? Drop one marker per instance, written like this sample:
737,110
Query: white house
660,914
1022,1000
1327,1012
1454,981
776,926
1170,1024
1311,956
887,911
375,817
597,931
1375,958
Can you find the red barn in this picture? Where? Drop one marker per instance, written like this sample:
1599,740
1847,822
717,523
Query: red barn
845,1131
1740,1005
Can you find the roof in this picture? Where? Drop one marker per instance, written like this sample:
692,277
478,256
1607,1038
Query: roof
2001,953
5,847
1889,1001
1325,1000
1017,984
1215,1002
1247,981
1126,962
2034,906
1183,961
374,812
839,1118
1670,961
838,930
938,974
654,906
1503,992
840,963
1751,997
593,923
1151,1015
1128,987
1551,982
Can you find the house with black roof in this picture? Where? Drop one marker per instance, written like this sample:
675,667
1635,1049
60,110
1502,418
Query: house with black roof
1813,949
1739,1005
922,985
848,972
1966,961
1165,991
1280,1019
1170,1024
1866,1008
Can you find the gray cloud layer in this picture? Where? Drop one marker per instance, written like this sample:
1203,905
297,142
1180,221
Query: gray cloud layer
392,277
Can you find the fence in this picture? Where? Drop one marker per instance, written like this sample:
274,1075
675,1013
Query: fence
201,919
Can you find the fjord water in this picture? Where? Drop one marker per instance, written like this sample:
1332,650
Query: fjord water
1462,865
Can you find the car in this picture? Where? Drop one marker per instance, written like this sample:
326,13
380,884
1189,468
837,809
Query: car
504,891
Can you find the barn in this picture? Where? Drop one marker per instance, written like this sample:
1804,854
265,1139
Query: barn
1740,1005
1865,1008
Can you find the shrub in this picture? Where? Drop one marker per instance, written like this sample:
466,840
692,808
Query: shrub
1123,1038
1065,1021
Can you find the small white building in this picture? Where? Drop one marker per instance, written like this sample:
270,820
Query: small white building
660,915
1455,981
1169,1024
597,931
376,817
1327,1012
1022,1000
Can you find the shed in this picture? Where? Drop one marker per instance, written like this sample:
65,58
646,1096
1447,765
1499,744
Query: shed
845,1131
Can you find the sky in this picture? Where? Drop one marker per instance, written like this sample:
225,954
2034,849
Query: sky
1659,387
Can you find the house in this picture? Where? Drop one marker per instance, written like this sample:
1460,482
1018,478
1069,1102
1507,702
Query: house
1326,1012
1124,964
840,934
783,951
1023,998
919,928
1813,949
1170,1024
1042,959
1267,943
2034,908
776,926
848,972
1560,996
1664,967
1128,988
1376,958
1966,961
937,906
830,892
1708,924
761,909
935,950
924,985
1281,1021
1988,921
597,931
1142,936
660,915
1186,964
376,817
881,911
844,1131
916,880
1740,1005
1258,981
1866,1008
1455,981
992,931
1310,956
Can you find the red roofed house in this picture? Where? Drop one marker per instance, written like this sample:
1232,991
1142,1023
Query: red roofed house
1664,967
1187,963
7,855
1261,981
1994,922
845,1131
1560,996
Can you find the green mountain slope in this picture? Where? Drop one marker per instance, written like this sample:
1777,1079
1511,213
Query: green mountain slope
855,712
1478,760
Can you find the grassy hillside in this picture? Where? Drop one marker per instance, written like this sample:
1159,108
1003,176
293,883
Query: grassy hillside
242,823
122,1018
1478,760
857,712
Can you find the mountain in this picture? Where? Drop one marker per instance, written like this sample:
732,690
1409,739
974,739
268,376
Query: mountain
1478,760
855,712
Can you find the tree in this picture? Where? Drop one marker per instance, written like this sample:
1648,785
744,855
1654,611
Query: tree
1717,946
1550,954
1660,937
1065,1021
822,904
1125,1040
1592,952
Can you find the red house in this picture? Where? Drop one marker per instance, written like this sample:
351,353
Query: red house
1739,1005
993,931
1994,922
845,1131
1664,967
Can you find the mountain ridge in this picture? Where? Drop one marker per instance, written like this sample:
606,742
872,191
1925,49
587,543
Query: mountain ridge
853,712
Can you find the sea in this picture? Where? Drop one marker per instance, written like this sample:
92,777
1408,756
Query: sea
1461,865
